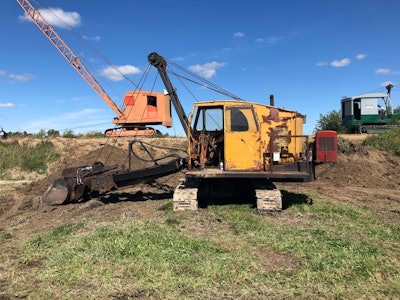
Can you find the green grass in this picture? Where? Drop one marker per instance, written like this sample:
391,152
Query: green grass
27,158
388,141
324,250
345,248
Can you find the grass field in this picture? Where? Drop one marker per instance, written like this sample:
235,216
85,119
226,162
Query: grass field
327,250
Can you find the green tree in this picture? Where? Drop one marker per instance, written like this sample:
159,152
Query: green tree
68,133
41,134
53,133
330,121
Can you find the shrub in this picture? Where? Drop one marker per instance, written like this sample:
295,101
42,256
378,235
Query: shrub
387,141
69,133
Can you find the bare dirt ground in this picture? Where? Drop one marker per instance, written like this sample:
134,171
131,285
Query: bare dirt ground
363,176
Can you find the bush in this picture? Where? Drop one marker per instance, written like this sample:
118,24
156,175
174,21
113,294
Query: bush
387,141
41,134
53,133
69,133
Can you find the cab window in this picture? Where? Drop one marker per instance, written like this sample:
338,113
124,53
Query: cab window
209,119
241,119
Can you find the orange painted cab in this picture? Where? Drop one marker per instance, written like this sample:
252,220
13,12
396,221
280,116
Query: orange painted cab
145,107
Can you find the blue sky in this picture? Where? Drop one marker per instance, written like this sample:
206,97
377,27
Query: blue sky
308,53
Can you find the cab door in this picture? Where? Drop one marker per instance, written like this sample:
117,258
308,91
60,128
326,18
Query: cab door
242,149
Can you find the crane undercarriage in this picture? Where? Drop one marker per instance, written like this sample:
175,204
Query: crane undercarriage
193,193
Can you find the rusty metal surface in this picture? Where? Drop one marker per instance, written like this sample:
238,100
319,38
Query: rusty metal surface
57,193
125,178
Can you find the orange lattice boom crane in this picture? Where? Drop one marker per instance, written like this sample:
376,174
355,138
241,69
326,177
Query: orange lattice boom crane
141,108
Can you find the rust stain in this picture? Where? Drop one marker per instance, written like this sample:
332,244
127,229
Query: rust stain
272,117
274,114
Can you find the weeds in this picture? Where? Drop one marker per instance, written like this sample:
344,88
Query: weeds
388,141
25,157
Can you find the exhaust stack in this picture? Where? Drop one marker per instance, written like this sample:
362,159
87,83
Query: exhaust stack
271,100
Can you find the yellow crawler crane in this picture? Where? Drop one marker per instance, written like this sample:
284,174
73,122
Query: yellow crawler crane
237,149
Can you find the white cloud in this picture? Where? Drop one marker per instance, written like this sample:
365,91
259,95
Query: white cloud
7,105
21,77
95,38
239,34
361,56
116,73
274,40
58,17
340,63
178,58
268,41
24,77
384,71
207,70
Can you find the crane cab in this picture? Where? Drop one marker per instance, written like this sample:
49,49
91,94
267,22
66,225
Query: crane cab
369,113
145,107
142,109
373,108
243,136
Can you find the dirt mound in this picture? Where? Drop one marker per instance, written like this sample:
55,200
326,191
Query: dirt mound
362,176
347,146
364,166
85,152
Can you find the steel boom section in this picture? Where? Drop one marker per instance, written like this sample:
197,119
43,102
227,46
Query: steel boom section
68,54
